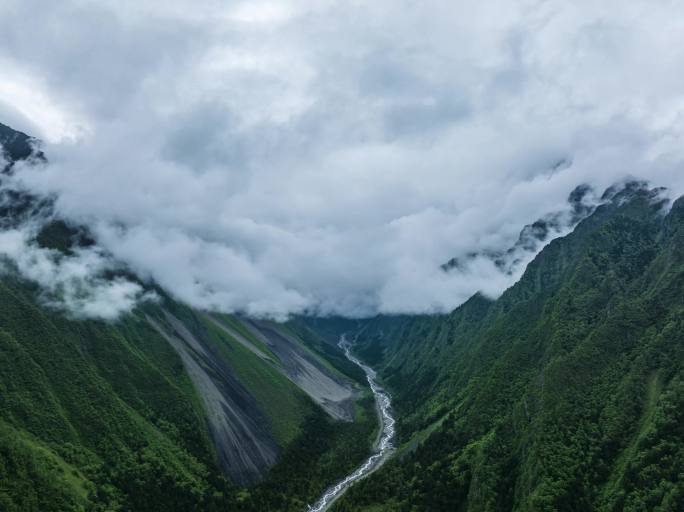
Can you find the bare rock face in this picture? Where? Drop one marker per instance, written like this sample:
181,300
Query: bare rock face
244,442
245,447
331,391
581,202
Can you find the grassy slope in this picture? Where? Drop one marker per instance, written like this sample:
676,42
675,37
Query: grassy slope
565,394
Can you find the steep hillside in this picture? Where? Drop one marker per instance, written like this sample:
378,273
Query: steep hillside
166,407
564,394
140,414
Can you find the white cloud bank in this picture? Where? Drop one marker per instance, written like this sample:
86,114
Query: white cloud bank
277,157
76,284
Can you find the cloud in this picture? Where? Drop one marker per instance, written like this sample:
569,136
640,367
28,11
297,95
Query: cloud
329,156
76,284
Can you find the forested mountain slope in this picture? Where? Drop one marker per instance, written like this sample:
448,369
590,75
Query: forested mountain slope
141,414
166,407
567,393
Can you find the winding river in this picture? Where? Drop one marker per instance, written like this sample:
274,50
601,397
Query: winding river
382,448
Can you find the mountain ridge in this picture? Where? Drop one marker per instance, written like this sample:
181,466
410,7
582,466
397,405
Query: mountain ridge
163,407
556,395
565,393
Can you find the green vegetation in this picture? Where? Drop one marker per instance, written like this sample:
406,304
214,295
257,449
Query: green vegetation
326,348
103,416
284,404
325,453
234,323
104,407
567,393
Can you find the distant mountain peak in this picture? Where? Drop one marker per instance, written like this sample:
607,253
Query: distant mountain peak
582,202
17,146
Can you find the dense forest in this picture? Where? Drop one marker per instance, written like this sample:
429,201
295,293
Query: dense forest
566,393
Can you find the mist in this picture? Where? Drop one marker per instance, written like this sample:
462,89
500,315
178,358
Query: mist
328,157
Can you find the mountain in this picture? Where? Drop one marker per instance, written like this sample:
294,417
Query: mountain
566,393
166,408
17,146
581,202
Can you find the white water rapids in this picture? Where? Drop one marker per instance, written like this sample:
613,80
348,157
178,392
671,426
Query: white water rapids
383,447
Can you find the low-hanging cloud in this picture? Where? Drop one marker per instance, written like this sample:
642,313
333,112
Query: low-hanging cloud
77,284
330,156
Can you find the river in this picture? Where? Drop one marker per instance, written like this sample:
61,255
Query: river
382,448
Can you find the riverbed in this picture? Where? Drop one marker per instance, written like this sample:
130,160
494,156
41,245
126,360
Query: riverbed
383,447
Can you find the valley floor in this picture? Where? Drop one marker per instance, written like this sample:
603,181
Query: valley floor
383,446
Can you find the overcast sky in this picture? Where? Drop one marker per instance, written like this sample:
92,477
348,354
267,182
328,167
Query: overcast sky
277,157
